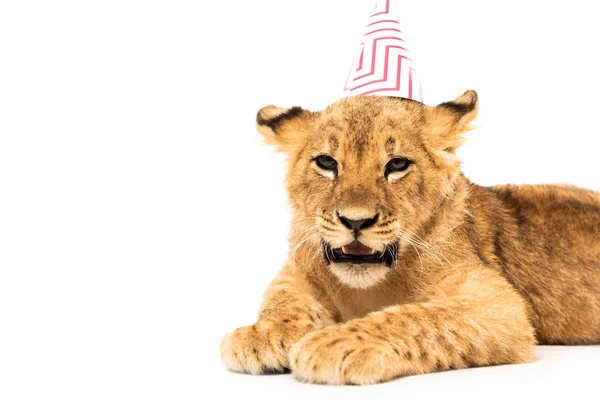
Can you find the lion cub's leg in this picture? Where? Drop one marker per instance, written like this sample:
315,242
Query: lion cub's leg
483,324
288,312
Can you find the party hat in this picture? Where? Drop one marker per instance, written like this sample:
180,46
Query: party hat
384,65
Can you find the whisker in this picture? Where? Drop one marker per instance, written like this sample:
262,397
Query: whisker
313,235
297,221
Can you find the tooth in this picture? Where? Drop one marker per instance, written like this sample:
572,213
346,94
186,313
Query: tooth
372,251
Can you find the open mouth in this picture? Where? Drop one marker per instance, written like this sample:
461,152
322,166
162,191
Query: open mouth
358,253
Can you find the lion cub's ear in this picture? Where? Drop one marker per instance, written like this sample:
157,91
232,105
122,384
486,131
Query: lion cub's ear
450,120
283,127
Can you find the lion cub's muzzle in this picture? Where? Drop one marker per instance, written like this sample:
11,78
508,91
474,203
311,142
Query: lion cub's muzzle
357,252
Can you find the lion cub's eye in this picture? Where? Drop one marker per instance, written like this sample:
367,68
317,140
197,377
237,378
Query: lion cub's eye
397,165
327,163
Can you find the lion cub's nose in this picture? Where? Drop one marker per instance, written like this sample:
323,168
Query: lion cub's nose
358,224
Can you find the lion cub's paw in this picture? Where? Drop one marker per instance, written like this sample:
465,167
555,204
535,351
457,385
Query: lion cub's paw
251,351
261,348
338,356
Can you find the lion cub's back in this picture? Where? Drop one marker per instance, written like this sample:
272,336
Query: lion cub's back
551,245
563,213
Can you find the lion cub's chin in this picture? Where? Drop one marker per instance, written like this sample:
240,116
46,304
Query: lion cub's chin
359,276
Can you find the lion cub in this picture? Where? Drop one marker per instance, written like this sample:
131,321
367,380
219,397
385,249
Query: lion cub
400,265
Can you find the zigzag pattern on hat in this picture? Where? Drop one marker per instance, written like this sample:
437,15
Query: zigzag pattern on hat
384,65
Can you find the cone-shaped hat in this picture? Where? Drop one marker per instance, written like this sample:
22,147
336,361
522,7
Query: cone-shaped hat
384,65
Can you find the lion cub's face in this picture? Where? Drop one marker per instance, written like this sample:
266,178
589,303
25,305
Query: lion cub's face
366,173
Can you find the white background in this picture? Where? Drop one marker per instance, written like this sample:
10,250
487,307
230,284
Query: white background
141,218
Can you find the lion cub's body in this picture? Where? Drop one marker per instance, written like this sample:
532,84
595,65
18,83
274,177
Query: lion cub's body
548,244
478,274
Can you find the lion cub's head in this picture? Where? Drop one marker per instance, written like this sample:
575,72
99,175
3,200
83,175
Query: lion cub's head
366,173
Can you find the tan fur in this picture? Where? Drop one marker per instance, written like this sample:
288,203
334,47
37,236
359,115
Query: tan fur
480,275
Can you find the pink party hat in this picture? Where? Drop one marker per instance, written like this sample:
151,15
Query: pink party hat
384,65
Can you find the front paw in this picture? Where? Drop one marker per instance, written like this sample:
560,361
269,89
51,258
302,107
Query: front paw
338,355
262,347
